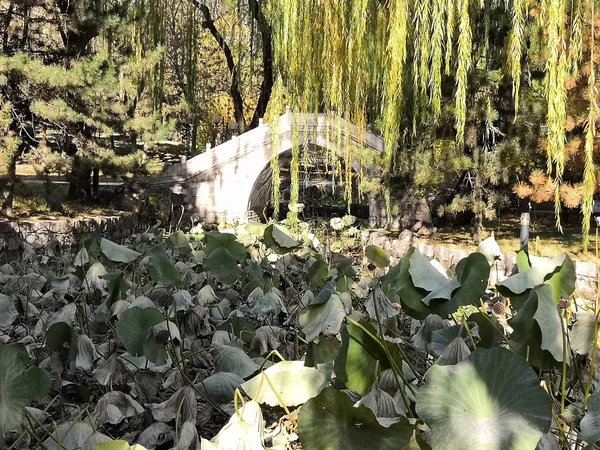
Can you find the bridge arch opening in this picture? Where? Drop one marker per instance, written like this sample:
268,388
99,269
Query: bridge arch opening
321,188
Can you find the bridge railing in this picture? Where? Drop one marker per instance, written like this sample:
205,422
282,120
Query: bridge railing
260,137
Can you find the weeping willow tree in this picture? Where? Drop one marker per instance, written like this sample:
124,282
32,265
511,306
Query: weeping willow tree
435,73
149,36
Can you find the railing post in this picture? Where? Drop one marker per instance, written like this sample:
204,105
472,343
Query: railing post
524,231
208,146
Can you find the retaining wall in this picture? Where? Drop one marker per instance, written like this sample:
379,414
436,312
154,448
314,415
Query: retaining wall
396,247
38,233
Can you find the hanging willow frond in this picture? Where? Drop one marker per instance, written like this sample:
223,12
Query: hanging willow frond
422,50
462,72
557,70
274,110
295,174
435,75
450,7
396,49
576,41
515,44
589,173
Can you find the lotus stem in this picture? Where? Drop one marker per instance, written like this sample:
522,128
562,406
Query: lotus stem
563,387
280,400
588,385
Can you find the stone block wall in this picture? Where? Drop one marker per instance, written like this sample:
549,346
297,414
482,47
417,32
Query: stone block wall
587,273
38,233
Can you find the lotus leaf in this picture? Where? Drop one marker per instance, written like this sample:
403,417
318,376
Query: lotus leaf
19,385
234,360
590,424
135,327
558,272
118,253
492,400
279,239
160,267
377,256
287,383
330,422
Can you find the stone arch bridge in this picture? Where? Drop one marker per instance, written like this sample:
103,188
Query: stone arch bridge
228,181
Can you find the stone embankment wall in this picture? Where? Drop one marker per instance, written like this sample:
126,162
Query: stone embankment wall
396,247
38,233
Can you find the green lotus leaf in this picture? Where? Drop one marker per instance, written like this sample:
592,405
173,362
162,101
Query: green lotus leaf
322,352
537,329
557,272
180,242
288,383
118,445
317,273
490,330
397,285
226,241
356,363
377,256
160,267
324,294
427,278
19,385
279,239
330,422
223,265
220,386
441,339
523,263
118,253
117,287
378,306
323,318
590,424
62,339
135,326
422,290
490,401
234,360
254,270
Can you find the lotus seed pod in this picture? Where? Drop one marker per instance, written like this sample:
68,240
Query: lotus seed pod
498,308
162,337
564,303
165,301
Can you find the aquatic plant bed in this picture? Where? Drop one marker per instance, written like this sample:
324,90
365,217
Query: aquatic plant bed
250,338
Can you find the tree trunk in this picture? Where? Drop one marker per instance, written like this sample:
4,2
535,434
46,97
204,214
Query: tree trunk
234,89
266,86
133,141
95,181
87,182
26,20
194,137
9,189
478,218
6,25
